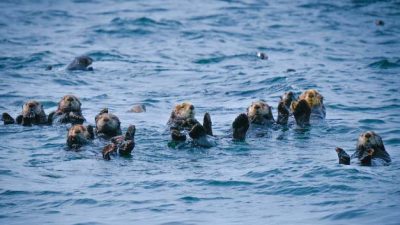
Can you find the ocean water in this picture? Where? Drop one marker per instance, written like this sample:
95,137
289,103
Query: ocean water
161,53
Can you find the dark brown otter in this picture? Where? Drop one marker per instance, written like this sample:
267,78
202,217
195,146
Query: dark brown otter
32,114
370,151
107,124
81,63
259,115
79,135
122,144
183,120
68,111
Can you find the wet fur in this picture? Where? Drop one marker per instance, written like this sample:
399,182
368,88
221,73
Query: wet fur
68,111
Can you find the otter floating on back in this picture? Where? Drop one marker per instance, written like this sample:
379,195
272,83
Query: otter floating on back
182,121
370,151
32,114
68,111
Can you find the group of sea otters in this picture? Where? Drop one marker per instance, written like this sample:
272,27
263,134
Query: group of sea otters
309,106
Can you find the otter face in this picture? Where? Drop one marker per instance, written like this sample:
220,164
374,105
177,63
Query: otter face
32,109
184,111
313,98
108,124
369,140
259,111
80,63
69,103
79,135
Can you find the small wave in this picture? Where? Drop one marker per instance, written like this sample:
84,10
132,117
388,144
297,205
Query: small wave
385,64
219,182
346,215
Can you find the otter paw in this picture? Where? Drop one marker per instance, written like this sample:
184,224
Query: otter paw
207,124
197,131
283,113
107,150
240,126
367,160
130,133
126,148
344,158
176,135
302,113
7,119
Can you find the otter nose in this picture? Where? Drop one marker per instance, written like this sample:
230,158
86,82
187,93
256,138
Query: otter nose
257,107
367,135
106,119
31,105
191,107
70,99
77,132
311,95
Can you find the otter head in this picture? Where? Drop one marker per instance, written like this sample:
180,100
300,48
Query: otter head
369,140
69,103
79,135
184,111
313,98
81,63
108,124
32,109
259,111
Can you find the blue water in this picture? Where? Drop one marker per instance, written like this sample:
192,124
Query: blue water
160,53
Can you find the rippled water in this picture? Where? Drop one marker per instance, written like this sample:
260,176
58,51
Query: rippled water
163,52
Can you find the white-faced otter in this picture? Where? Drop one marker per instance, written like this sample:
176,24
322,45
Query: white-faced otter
68,111
182,120
370,151
81,63
107,124
122,144
32,114
79,135
258,117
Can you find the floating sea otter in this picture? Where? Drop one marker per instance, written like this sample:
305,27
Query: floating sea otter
79,135
182,120
107,124
310,105
370,151
81,63
68,111
122,144
32,114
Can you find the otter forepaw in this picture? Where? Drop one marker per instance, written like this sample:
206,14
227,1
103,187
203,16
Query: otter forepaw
107,150
344,158
283,113
130,133
7,119
176,135
126,148
197,131
240,126
302,113
207,124
367,160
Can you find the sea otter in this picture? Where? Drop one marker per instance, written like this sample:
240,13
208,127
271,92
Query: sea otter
182,120
107,124
79,135
81,63
258,117
122,144
309,106
32,114
68,111
370,151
